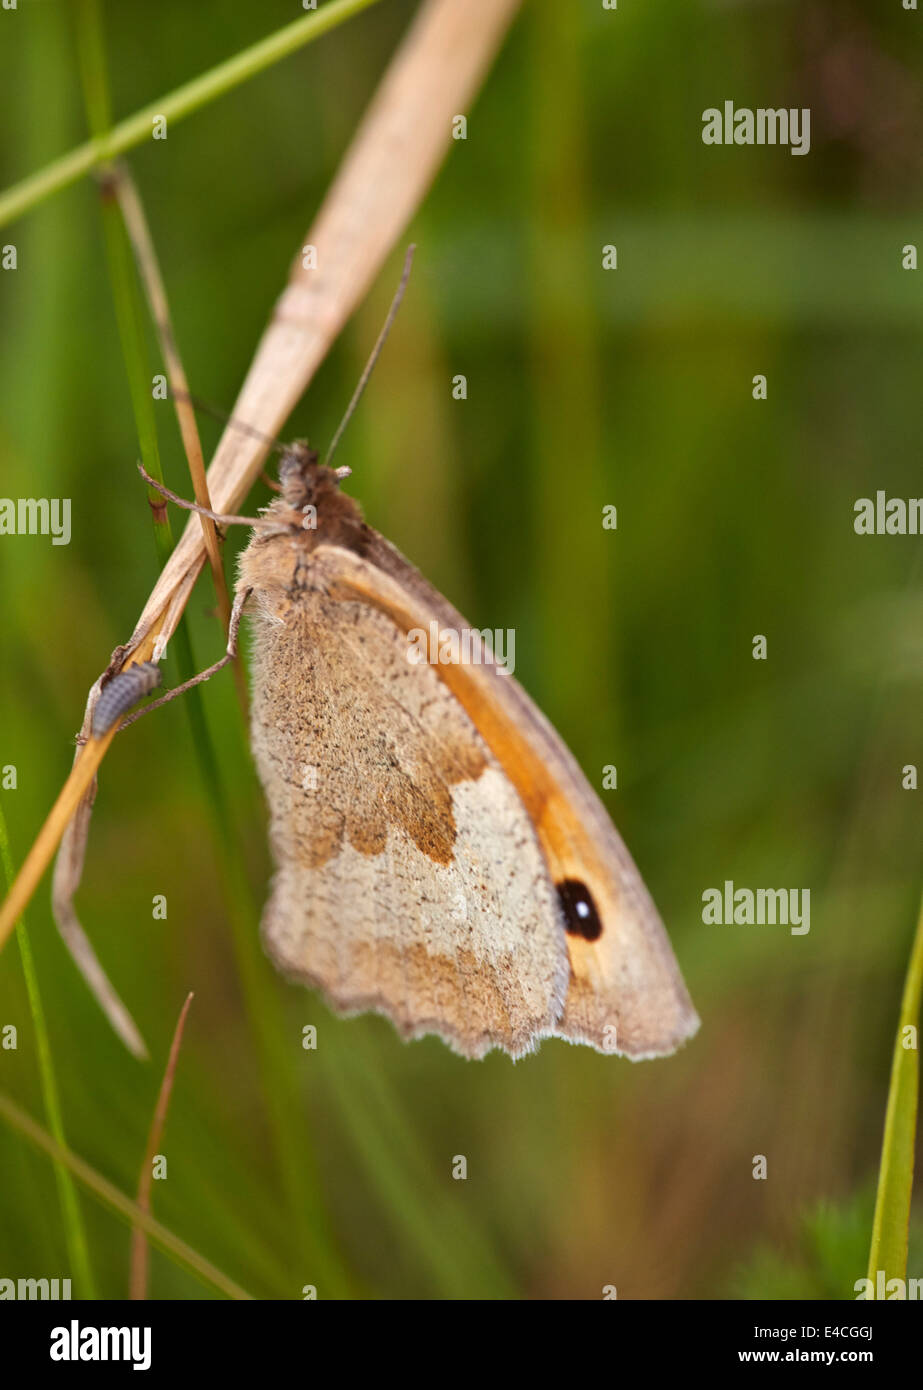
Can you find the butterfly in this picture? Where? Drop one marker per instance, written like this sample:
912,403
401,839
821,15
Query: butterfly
440,857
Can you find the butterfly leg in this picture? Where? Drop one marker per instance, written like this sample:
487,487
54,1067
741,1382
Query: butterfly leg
233,630
220,518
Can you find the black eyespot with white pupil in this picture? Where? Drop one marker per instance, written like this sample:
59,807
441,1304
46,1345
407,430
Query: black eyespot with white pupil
580,915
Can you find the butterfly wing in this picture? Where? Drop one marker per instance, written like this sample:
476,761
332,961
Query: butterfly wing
625,993
408,877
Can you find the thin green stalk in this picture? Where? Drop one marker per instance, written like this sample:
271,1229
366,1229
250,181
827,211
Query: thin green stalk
565,376
127,299
175,105
895,1176
116,1200
74,1233
93,68
279,1078
277,1068
125,290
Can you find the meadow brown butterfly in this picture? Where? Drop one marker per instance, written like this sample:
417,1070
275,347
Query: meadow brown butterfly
440,857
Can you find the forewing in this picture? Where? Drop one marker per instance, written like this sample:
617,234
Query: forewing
625,993
409,879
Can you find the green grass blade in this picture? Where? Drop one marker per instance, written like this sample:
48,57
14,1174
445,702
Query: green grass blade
123,1206
175,105
310,1231
125,290
895,1177
74,1233
127,299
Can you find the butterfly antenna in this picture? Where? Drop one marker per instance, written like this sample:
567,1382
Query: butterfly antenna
375,354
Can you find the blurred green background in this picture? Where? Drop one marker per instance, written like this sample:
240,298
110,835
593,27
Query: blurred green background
585,388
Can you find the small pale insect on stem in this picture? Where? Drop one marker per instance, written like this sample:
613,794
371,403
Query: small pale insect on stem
123,691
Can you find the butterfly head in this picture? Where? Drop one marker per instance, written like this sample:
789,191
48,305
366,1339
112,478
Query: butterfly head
304,481
308,488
